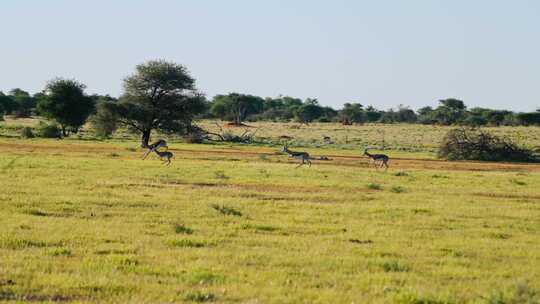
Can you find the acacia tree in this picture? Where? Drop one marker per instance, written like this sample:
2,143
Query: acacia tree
65,101
236,107
352,113
6,103
161,95
309,111
528,119
450,111
23,103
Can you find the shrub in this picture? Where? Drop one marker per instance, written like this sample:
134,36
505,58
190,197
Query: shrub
50,131
27,132
61,252
472,144
394,266
374,186
181,229
103,121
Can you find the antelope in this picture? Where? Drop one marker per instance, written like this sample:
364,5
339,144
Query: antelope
304,156
154,146
165,156
381,158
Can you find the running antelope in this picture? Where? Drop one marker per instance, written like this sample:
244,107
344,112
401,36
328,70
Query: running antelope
304,156
165,156
154,146
378,158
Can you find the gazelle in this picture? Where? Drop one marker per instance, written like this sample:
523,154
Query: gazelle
165,156
154,146
382,159
304,156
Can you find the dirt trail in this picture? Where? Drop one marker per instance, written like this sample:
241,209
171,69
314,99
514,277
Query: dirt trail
395,163
336,160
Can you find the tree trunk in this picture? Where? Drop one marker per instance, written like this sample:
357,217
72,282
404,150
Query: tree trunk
64,131
145,138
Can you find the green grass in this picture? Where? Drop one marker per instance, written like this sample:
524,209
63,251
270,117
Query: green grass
87,221
181,229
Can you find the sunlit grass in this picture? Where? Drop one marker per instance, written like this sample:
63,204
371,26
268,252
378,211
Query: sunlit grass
91,222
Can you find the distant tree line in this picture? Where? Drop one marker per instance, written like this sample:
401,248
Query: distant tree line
161,95
238,107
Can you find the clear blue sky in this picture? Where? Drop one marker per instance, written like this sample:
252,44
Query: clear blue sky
384,53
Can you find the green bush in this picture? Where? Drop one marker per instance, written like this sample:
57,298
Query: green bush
181,229
27,132
104,121
50,131
374,186
394,266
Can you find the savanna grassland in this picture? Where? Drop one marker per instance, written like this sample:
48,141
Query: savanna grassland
89,221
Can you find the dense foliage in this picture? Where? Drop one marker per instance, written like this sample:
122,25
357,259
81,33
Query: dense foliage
18,102
66,103
236,107
105,120
160,96
49,131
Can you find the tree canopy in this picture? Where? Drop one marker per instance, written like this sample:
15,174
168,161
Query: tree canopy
528,119
160,95
65,102
23,103
306,113
352,113
236,107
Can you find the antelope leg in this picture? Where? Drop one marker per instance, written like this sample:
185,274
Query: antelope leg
146,154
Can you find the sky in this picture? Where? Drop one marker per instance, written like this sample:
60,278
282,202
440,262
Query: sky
382,53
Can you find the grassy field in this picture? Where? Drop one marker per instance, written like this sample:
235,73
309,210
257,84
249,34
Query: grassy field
397,137
407,138
87,221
